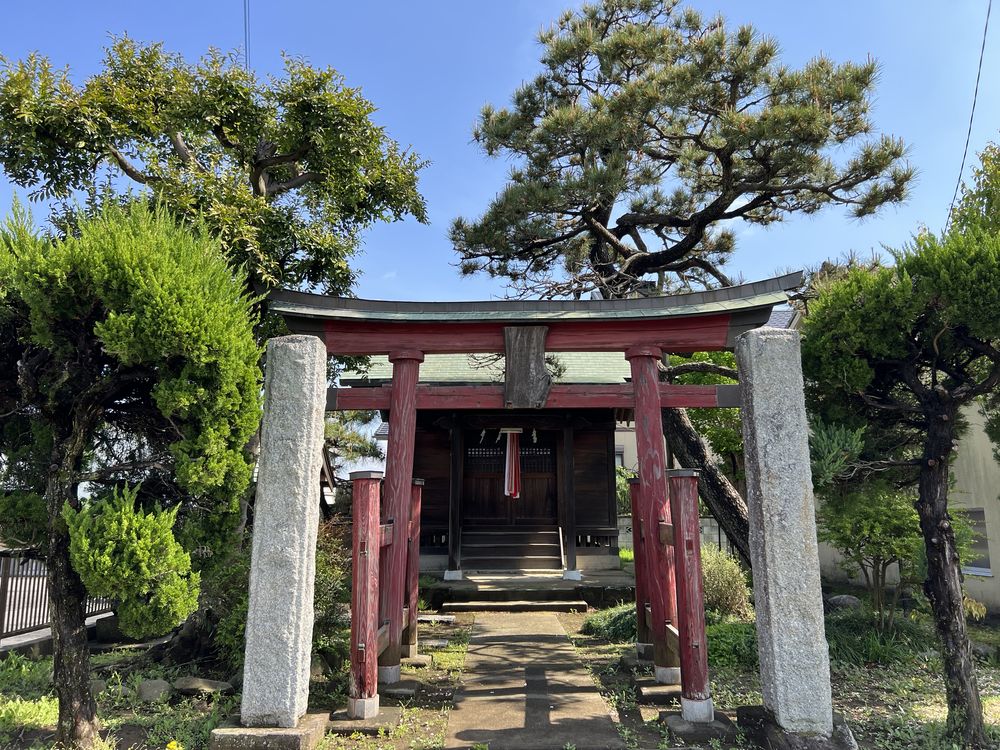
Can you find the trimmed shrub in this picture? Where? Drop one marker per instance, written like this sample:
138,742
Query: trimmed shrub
616,624
726,589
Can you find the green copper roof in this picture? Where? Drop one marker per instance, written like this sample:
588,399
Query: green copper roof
439,369
759,294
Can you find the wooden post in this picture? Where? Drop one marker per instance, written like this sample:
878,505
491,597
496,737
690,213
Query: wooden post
654,507
569,505
398,486
696,698
454,571
362,701
643,642
409,647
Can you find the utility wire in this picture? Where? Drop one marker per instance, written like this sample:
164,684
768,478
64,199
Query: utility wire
246,35
972,116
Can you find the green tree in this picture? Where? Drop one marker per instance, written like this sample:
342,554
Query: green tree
913,344
647,133
286,171
135,358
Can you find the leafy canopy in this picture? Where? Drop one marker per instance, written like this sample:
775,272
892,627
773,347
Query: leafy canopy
135,346
287,170
648,128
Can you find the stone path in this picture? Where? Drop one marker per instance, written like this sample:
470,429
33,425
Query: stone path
525,688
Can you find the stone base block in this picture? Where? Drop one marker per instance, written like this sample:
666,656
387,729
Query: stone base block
388,675
668,675
437,619
572,575
760,726
363,708
387,719
435,643
656,694
697,711
453,575
306,736
644,651
720,729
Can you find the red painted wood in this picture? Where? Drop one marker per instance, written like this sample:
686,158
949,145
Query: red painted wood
654,506
398,486
641,563
691,333
560,397
690,594
385,534
413,567
365,589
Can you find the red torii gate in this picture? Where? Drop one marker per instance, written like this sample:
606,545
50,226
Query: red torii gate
668,582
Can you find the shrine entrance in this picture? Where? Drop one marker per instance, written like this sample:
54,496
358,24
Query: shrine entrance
442,433
484,503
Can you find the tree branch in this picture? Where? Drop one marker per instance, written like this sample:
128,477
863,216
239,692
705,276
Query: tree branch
278,188
184,153
130,169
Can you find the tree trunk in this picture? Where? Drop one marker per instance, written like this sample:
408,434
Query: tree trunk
78,725
944,583
725,502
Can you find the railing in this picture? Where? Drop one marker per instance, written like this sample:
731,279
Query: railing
24,594
596,537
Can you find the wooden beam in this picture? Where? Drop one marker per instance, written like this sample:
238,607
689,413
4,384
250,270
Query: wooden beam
479,397
694,333
383,637
666,532
385,534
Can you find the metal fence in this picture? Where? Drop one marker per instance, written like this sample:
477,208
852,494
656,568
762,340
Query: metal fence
711,534
24,594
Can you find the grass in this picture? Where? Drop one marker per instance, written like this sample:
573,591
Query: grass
29,710
626,555
888,687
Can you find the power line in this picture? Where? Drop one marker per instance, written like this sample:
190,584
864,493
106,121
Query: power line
972,115
246,35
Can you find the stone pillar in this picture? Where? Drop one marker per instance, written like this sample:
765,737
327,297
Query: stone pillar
286,515
791,639
655,508
398,486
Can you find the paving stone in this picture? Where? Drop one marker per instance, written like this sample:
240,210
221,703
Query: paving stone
524,687
433,643
402,690
388,719
439,619
654,693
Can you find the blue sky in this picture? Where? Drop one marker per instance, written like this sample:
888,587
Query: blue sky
429,66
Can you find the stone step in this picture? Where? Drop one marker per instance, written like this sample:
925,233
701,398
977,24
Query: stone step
510,549
515,606
543,593
511,535
523,562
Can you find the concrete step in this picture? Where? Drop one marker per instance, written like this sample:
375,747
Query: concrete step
516,606
522,562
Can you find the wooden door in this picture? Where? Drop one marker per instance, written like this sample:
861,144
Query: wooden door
483,501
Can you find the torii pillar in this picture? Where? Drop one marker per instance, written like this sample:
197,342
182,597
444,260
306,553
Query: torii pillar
655,509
